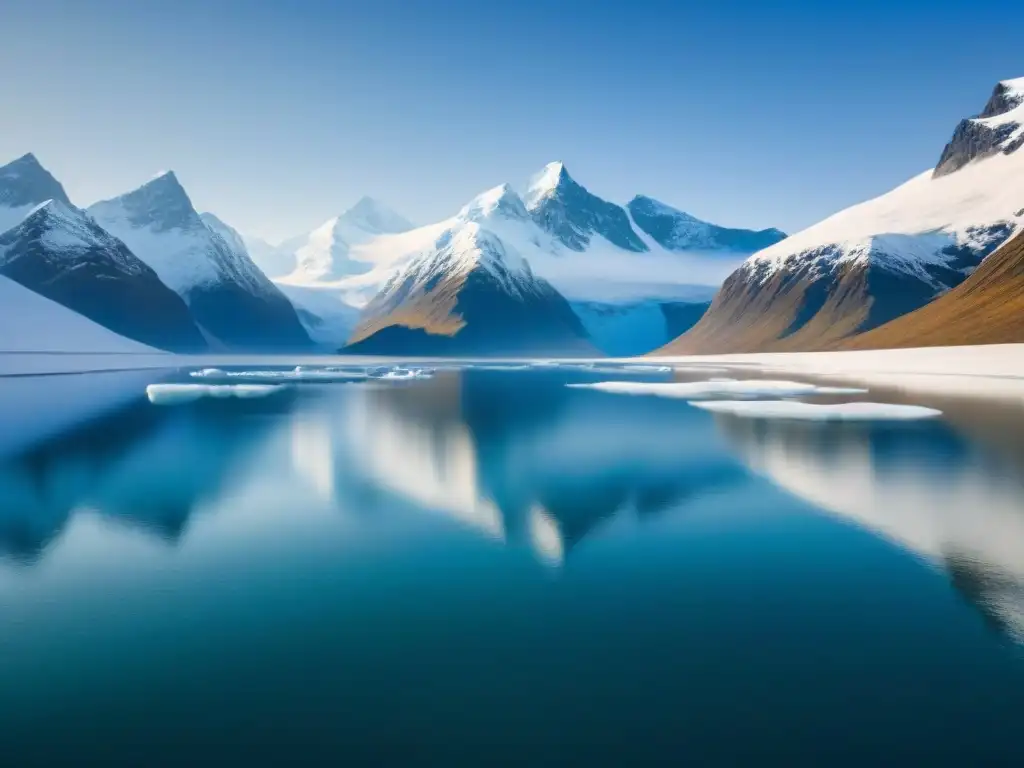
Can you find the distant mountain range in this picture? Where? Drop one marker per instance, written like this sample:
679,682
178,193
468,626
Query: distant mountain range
498,276
877,261
559,270
555,270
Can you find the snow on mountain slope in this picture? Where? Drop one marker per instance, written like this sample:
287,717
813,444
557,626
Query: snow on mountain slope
998,128
157,221
229,296
573,215
472,291
24,184
41,325
578,260
676,230
877,260
324,254
61,253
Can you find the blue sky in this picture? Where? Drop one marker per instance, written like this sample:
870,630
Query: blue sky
277,116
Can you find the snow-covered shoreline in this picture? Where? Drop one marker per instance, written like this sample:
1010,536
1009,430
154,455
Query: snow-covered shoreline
995,370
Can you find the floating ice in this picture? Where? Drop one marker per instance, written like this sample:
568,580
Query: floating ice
299,373
400,373
209,373
696,369
792,409
716,388
650,368
174,394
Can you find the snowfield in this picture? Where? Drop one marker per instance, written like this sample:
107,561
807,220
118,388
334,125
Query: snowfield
913,224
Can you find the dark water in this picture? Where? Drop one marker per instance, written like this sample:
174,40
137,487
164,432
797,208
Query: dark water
492,569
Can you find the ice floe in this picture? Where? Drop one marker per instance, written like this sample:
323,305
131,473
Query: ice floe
400,373
299,373
647,368
793,409
717,388
174,394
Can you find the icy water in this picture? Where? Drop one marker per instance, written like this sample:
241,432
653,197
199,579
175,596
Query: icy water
490,568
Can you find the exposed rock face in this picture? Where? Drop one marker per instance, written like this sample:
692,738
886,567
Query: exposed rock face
822,299
974,139
568,211
987,308
62,254
676,230
25,182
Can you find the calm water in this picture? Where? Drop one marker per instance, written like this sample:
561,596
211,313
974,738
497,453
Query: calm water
490,568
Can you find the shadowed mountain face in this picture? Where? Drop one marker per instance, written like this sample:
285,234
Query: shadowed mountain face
568,211
227,294
876,261
24,182
987,308
678,231
484,320
62,254
808,306
471,294
978,137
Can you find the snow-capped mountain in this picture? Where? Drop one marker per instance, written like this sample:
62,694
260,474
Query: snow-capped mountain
630,292
229,297
568,211
875,261
61,253
986,308
472,292
24,184
676,230
325,254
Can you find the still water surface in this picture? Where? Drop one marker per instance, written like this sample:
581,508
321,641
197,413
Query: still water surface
491,568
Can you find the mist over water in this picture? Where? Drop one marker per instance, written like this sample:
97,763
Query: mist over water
490,564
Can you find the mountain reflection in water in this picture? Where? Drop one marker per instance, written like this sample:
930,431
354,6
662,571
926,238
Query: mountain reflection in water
952,501
410,572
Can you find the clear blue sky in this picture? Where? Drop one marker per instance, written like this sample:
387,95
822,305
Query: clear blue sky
277,116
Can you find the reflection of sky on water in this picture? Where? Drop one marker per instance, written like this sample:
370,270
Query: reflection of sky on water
514,459
477,560
930,491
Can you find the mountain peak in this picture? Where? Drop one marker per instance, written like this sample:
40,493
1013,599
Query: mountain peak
566,209
501,200
677,230
997,129
551,177
25,182
161,204
375,217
